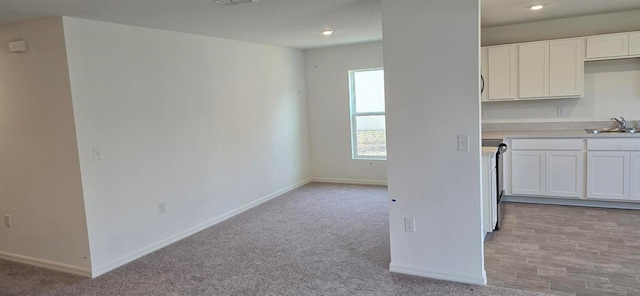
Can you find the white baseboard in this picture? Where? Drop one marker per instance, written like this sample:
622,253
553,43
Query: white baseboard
412,270
102,269
574,202
349,181
81,271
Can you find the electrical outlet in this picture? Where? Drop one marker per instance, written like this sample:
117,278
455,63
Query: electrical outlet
561,111
162,207
7,221
409,224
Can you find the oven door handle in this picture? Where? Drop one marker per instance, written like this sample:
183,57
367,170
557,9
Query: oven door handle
502,148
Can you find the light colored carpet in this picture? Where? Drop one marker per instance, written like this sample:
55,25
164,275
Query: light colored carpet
321,239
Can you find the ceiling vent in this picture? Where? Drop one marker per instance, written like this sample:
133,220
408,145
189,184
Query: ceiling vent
233,2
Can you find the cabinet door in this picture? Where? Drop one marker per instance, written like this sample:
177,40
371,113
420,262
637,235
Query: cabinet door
484,73
634,43
565,173
528,172
605,46
634,176
503,72
533,67
608,175
566,68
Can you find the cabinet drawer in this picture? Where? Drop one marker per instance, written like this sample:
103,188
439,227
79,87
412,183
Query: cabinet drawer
613,144
547,144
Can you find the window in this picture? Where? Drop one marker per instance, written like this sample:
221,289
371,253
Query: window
366,96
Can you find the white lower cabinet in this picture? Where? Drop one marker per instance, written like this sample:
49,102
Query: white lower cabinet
614,175
548,173
608,174
528,172
548,167
604,169
565,173
634,176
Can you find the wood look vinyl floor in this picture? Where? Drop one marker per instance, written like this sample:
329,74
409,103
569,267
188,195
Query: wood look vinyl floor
563,250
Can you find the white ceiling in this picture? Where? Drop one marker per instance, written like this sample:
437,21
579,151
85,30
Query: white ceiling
291,23
505,12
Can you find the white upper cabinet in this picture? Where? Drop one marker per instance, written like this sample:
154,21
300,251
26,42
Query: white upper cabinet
566,68
533,69
605,46
484,73
613,46
634,43
502,63
551,69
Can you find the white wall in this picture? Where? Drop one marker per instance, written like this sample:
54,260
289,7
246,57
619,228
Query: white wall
40,183
611,88
563,28
432,65
207,125
329,123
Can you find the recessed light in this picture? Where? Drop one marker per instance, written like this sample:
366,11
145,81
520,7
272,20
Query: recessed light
327,32
536,7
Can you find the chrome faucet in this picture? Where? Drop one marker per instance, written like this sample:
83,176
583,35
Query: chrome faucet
621,122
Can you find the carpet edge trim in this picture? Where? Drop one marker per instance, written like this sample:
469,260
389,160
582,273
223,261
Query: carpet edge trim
52,265
100,270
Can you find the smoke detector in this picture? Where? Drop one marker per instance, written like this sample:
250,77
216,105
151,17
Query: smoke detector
233,2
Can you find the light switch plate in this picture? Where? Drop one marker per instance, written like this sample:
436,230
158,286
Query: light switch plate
162,207
463,143
7,221
409,224
97,154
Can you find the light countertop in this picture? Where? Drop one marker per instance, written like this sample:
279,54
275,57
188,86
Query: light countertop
553,134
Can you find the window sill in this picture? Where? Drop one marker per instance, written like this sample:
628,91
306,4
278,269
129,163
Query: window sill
369,158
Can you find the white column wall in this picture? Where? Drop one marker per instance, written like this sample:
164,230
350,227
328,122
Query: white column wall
431,61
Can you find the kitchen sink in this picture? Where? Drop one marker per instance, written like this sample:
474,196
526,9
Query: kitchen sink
610,130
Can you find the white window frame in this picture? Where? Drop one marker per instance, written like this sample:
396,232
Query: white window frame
354,116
